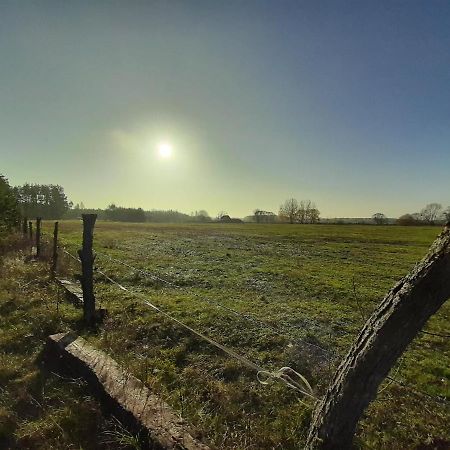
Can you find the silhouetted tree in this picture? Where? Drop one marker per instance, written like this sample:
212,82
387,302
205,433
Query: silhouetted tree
446,214
431,212
42,200
120,214
379,218
261,216
9,209
289,210
304,212
408,219
313,215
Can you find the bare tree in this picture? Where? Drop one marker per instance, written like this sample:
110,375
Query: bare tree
313,215
379,218
431,212
307,212
446,214
289,210
220,214
303,211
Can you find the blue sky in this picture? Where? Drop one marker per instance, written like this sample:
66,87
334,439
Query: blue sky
346,103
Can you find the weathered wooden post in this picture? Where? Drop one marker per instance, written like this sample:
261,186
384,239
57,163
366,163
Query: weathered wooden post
87,268
30,230
55,249
38,237
24,226
385,336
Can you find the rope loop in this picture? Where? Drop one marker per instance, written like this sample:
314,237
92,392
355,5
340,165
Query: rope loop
288,376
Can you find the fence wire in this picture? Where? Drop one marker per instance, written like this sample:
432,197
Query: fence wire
330,355
281,374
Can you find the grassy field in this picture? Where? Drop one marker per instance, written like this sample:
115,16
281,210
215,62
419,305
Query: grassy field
311,286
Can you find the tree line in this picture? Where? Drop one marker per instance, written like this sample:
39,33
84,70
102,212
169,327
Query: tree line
50,202
9,208
42,200
291,211
431,214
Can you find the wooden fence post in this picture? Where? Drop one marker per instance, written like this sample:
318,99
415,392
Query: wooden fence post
30,230
38,237
55,249
24,226
384,337
87,268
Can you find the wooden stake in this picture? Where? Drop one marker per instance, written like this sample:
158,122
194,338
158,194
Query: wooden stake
55,249
24,226
38,237
30,230
87,268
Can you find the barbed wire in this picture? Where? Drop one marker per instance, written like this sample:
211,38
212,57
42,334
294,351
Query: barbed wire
402,384
284,374
331,355
436,334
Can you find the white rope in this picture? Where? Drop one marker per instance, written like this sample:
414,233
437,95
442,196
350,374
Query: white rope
284,374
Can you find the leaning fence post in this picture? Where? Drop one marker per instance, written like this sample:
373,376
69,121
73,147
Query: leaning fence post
30,230
24,226
38,237
87,268
55,249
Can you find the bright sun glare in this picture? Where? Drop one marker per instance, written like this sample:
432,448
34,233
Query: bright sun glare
164,150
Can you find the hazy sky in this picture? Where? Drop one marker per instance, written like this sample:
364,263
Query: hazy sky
346,103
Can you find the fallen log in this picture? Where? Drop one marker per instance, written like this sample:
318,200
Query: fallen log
122,394
72,291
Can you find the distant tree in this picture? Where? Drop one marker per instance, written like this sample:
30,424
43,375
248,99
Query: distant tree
120,214
42,200
313,215
261,216
408,219
169,216
9,208
379,218
431,212
289,210
446,214
225,218
220,214
202,216
304,212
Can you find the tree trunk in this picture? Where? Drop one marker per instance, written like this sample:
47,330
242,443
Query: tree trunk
385,336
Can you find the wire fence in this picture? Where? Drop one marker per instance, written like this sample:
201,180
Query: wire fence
279,331
287,375
283,373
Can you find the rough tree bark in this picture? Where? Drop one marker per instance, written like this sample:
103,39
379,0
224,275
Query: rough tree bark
385,336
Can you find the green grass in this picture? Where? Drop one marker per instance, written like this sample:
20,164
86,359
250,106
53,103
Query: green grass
316,283
39,410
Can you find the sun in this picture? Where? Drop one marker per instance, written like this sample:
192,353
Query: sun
164,150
